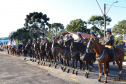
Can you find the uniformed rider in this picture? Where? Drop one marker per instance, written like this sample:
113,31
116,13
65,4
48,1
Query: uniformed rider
54,39
80,38
109,40
29,48
61,42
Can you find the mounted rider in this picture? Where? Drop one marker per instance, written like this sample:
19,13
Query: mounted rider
80,38
61,42
109,41
71,37
93,35
54,39
29,48
42,41
46,40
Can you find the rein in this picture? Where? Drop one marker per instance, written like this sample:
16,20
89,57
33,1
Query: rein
101,56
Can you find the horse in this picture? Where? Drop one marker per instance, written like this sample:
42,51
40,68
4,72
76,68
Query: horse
64,59
104,57
14,50
42,54
87,58
49,55
37,51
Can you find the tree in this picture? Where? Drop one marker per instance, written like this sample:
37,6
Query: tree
120,29
20,34
37,23
57,27
78,25
98,21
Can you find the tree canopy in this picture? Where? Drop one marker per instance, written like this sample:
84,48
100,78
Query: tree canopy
57,27
37,23
78,25
120,28
98,23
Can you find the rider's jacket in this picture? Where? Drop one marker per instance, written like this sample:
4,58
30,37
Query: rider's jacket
109,40
54,41
42,42
81,40
61,42
28,46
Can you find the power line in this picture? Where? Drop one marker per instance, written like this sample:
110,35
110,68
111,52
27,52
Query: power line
117,6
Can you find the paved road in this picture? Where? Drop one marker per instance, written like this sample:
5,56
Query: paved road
14,70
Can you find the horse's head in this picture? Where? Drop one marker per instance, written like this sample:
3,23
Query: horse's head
48,48
72,48
90,45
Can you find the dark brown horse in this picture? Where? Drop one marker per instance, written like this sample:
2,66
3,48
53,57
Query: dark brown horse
37,51
104,57
42,54
64,57
49,55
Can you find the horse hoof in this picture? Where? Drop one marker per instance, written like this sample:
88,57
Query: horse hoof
35,60
68,71
55,66
99,80
105,81
64,70
38,62
76,72
73,72
49,65
87,76
44,63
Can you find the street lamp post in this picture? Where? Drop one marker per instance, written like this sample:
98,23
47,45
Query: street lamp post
104,14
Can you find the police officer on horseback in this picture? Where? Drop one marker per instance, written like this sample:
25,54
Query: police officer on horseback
93,35
61,42
42,41
29,48
109,40
54,39
80,38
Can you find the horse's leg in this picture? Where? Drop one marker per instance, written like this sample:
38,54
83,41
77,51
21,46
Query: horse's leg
61,60
100,71
50,61
64,64
76,66
68,66
104,66
107,68
120,67
81,63
73,66
55,62
87,71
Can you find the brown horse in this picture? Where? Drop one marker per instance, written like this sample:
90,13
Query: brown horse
14,50
48,47
64,59
104,57
42,54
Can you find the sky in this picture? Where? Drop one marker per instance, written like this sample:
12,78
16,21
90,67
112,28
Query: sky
13,12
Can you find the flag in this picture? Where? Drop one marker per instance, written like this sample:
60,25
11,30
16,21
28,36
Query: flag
16,42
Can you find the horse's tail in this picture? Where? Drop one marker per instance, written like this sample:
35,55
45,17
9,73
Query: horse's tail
121,53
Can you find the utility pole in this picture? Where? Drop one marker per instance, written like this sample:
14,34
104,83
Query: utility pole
104,20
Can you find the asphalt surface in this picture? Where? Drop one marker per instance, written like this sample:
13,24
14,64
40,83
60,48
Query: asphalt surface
14,70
